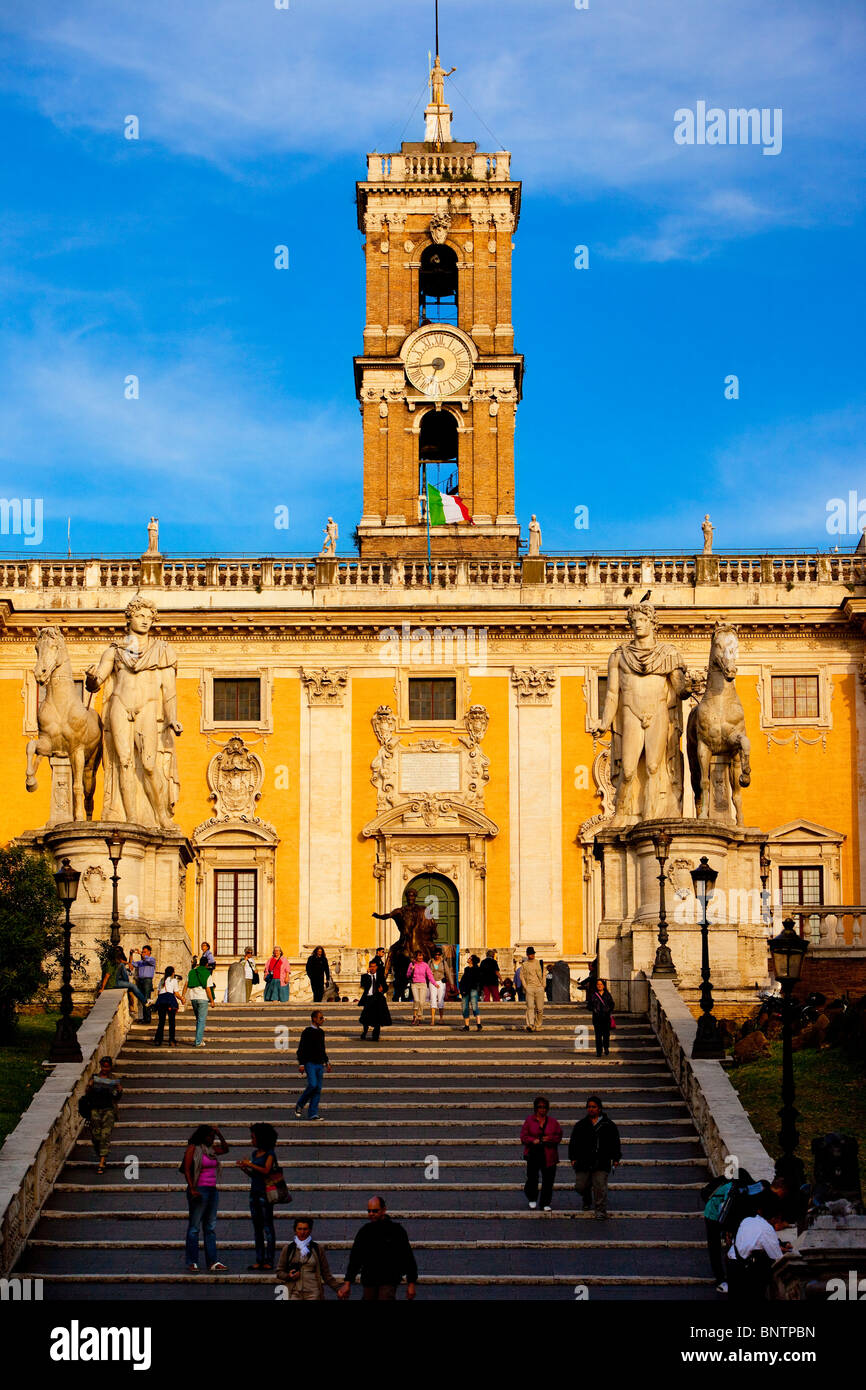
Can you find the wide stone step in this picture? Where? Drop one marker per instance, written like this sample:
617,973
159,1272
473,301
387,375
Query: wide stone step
336,1195
440,1289
566,1222
685,1261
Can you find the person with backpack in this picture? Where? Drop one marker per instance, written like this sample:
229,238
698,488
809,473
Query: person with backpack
263,1171
99,1107
303,1268
420,977
601,1003
718,1197
470,989
755,1246
167,1006
200,1166
200,992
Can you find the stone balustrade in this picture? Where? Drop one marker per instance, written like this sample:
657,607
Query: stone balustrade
840,925
773,576
431,166
38,1147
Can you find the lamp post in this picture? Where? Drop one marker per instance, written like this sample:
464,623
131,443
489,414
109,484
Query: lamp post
708,1044
65,1047
788,950
766,914
115,850
663,964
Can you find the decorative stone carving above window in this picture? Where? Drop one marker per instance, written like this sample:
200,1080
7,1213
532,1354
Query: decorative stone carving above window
234,777
326,686
533,686
429,766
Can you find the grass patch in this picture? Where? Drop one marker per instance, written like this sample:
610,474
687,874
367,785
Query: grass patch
830,1095
21,1070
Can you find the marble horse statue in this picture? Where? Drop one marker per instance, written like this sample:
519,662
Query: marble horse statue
717,728
66,725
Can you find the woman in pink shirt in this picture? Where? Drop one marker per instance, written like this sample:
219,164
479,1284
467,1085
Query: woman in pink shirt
201,1167
277,972
420,977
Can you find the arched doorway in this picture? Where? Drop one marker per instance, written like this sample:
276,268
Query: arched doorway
440,899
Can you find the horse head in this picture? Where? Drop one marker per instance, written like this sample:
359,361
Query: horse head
50,653
725,650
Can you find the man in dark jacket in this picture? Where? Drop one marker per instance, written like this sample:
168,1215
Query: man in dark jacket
312,1060
382,1255
593,1149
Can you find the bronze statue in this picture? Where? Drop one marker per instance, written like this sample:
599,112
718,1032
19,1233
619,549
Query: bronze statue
417,930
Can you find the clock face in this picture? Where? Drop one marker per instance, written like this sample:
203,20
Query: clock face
439,363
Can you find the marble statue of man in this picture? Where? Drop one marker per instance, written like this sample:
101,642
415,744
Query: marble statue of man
332,535
646,682
707,528
534,536
140,720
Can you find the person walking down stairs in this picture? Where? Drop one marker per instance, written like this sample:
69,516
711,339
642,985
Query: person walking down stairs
470,990
277,972
199,990
303,1269
540,1136
594,1149
439,987
601,1003
382,1256
318,973
532,981
421,978
312,1058
102,1094
200,1166
375,1013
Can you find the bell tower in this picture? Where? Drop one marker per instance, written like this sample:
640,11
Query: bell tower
439,381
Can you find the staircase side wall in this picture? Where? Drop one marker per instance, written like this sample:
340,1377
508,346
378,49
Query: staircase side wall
38,1147
723,1125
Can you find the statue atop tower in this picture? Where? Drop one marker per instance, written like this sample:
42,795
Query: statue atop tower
437,117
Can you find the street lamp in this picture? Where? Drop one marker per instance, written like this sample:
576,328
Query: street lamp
65,1047
788,950
765,878
708,1044
115,850
664,964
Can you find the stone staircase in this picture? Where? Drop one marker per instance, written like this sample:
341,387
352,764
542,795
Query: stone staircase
388,1110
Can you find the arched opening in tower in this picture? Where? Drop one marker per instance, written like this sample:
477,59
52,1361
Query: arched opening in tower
439,451
438,285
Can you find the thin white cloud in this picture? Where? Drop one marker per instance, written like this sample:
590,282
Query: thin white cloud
585,98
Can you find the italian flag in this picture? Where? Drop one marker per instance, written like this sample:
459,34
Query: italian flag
443,507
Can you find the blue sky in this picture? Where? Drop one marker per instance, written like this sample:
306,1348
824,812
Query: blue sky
155,258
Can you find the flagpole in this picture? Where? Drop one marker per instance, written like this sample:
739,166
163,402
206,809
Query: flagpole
427,509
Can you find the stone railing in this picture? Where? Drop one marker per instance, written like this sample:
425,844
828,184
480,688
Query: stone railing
714,1105
433,165
38,1147
840,926
558,573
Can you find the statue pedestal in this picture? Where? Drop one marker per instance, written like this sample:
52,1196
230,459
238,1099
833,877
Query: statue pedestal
151,890
628,932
